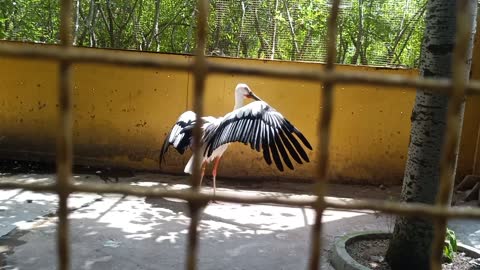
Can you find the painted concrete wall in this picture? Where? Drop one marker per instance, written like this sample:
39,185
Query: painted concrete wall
123,114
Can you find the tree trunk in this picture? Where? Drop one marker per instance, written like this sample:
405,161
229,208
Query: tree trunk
90,23
125,22
220,7
365,41
405,43
274,34
263,42
188,45
241,35
111,31
358,41
340,46
392,56
410,247
138,36
76,24
155,33
306,42
291,27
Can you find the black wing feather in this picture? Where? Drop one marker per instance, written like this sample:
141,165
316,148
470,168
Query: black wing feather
282,151
266,150
275,155
164,150
297,145
180,136
302,138
265,130
290,148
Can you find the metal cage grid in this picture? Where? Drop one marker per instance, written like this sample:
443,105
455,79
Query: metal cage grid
66,54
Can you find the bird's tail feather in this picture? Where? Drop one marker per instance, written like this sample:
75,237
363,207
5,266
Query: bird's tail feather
163,151
179,136
189,167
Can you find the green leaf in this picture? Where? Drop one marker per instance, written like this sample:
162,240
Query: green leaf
452,239
450,245
448,252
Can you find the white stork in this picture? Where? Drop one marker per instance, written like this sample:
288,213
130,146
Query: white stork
256,123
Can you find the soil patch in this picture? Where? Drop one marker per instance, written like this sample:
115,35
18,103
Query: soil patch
371,253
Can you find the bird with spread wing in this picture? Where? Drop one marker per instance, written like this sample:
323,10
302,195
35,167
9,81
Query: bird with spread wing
257,124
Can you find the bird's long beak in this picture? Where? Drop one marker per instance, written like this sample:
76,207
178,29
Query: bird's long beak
253,96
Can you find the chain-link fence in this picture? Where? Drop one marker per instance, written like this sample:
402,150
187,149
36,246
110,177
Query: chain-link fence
201,68
370,32
382,33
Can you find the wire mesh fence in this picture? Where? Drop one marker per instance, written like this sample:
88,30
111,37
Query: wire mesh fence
382,33
201,68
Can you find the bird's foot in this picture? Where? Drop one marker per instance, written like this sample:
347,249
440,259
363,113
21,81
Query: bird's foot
107,179
215,201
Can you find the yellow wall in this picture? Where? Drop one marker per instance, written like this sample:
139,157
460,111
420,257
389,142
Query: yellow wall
123,114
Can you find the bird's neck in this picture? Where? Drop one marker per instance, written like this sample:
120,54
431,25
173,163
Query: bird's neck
238,101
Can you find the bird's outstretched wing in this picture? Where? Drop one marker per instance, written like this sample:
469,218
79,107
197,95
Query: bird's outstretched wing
180,136
262,127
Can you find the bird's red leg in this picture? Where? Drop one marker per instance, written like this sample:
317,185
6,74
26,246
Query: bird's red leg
214,173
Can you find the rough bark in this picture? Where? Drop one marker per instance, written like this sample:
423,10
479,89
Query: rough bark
188,43
365,41
77,22
341,42
291,27
138,35
274,34
219,15
110,24
155,34
241,35
264,46
91,23
358,42
410,246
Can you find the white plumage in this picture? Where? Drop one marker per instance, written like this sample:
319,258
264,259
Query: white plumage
256,124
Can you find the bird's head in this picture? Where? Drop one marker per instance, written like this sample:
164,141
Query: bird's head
242,90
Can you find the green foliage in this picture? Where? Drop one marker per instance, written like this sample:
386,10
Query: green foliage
450,246
29,20
373,32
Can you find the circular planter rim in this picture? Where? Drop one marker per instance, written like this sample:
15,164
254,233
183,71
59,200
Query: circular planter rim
341,260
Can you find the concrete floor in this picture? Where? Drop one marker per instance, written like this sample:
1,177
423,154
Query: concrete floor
123,232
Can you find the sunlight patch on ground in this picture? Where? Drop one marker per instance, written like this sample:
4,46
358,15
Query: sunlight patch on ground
332,215
90,262
171,237
475,238
215,225
269,217
145,184
262,217
91,233
139,236
29,178
130,214
138,217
